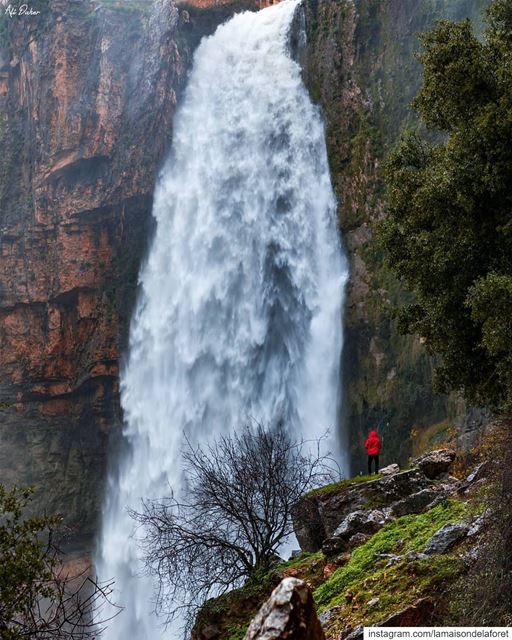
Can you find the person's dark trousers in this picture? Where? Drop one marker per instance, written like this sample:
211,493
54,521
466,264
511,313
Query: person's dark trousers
370,459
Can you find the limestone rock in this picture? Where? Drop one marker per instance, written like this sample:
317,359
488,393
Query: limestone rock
478,472
326,616
390,470
316,517
362,521
477,525
434,463
356,634
288,613
416,503
446,538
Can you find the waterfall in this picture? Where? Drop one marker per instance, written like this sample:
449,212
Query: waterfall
239,314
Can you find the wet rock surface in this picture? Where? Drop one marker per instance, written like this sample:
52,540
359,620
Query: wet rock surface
358,522
288,613
446,538
435,463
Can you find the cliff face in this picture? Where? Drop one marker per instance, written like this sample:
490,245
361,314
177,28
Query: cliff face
359,65
87,96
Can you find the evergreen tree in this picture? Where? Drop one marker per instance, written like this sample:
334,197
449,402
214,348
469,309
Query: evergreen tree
448,233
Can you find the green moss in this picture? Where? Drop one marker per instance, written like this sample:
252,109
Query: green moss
233,611
303,561
334,487
409,533
395,587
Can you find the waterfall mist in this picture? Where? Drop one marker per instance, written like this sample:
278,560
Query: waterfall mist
239,314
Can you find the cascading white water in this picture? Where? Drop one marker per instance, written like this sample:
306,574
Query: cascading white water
240,310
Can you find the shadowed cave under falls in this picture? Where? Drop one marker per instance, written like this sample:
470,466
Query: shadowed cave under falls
239,315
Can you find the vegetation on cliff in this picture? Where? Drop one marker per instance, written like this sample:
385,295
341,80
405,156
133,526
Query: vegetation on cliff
39,597
448,230
360,66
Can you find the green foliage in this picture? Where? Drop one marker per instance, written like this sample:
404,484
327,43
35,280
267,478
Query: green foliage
26,561
448,234
408,533
303,561
39,598
395,587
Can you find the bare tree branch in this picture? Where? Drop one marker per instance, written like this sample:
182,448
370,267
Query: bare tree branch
232,519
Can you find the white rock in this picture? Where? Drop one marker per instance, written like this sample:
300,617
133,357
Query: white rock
390,470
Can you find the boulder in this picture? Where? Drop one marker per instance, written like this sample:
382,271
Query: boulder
363,521
435,463
390,470
477,525
446,538
417,502
358,539
288,613
357,522
308,524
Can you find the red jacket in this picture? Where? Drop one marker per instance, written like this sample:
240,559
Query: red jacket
373,444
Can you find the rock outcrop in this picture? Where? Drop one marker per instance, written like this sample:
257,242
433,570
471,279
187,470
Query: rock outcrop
288,613
435,463
319,514
364,522
446,538
332,518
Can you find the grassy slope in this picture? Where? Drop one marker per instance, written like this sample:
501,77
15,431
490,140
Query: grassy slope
348,584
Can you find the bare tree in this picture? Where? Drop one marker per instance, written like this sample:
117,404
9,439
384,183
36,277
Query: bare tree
39,596
232,518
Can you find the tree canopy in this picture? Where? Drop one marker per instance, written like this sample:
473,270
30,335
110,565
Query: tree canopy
448,232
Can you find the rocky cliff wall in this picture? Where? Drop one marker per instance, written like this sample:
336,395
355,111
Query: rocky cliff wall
87,95
359,65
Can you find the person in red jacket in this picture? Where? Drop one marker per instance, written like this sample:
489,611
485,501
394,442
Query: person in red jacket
373,446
